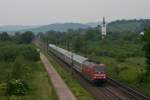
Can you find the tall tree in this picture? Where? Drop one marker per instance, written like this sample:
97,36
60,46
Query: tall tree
27,37
146,38
4,36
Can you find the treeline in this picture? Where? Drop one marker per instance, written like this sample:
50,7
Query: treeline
25,37
124,26
89,43
17,62
146,39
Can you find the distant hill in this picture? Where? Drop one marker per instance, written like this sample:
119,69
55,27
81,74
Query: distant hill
59,27
14,28
128,25
44,28
93,24
118,26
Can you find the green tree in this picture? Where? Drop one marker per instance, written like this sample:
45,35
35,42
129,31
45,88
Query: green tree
17,37
146,38
27,37
8,53
78,44
30,53
4,36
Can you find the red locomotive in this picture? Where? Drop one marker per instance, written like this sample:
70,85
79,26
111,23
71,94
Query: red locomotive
91,70
94,71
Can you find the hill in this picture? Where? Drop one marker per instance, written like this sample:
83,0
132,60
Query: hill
120,26
58,27
61,27
14,28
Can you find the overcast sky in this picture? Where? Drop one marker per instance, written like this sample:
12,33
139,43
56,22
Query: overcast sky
39,12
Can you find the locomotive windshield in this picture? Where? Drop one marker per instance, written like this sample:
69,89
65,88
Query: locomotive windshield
99,69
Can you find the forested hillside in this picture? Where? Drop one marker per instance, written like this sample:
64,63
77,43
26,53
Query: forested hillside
121,26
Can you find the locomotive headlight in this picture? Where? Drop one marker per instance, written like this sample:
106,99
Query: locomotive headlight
94,77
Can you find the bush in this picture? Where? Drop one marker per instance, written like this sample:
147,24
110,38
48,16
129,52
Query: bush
105,53
30,53
17,87
121,58
27,37
3,88
7,53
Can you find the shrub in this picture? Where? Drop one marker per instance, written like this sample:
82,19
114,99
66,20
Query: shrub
17,87
30,53
105,53
3,88
7,53
121,58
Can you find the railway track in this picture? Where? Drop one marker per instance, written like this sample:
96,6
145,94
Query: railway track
107,92
113,90
134,94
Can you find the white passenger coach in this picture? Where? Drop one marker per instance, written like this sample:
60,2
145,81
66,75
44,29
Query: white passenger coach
69,57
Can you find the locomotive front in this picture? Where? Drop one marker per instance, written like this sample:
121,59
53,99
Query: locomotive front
94,71
99,75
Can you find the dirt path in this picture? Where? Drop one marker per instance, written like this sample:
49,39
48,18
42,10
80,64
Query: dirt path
61,88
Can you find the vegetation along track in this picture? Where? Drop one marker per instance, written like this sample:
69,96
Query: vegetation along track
112,90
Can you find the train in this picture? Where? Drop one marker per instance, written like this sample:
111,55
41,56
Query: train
91,70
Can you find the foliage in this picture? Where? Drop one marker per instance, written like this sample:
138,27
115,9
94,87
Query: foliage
16,64
30,53
22,76
146,38
3,88
88,41
17,87
9,52
129,25
27,37
121,58
4,36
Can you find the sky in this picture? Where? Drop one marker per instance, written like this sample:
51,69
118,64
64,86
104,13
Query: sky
41,12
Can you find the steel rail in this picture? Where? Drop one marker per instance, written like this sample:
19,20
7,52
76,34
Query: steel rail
133,93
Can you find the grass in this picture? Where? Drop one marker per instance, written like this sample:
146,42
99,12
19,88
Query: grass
42,88
76,88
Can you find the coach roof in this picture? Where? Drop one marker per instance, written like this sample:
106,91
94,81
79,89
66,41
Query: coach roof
76,57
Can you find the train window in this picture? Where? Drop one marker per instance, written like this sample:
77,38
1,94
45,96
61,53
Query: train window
99,69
